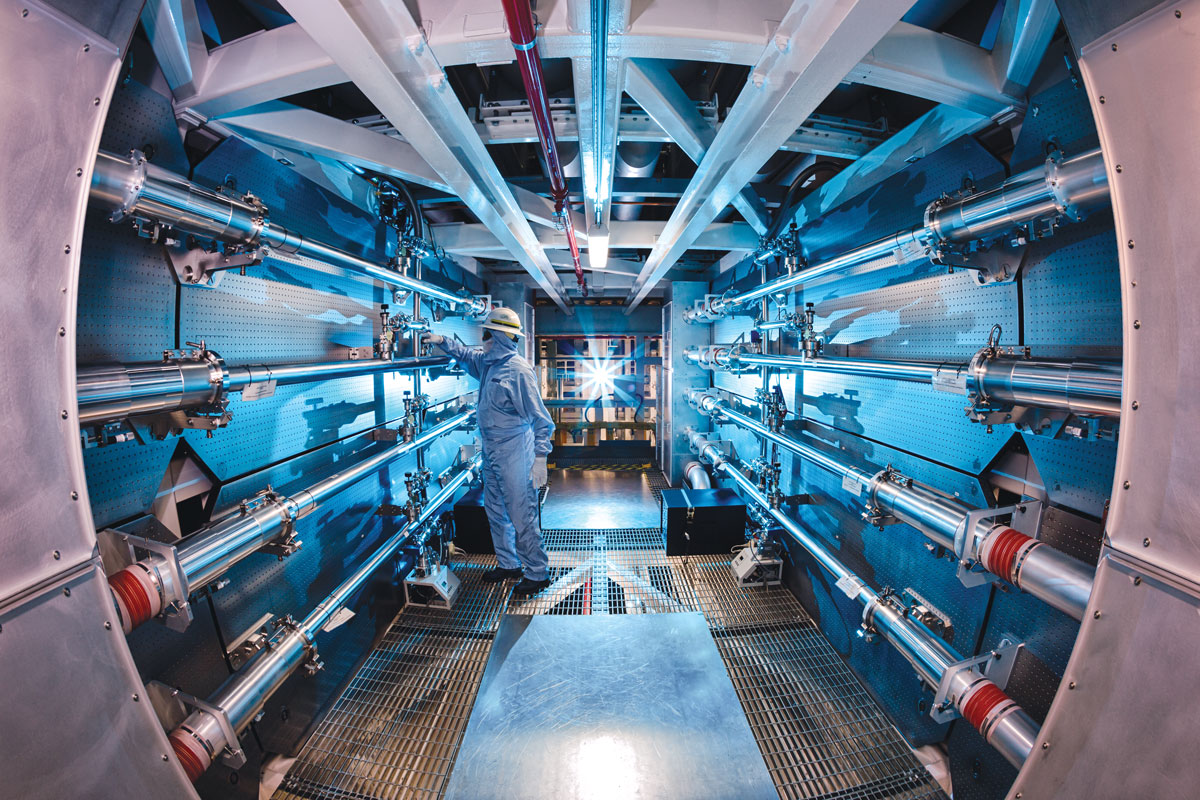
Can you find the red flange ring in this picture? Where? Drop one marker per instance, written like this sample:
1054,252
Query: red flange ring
136,595
191,754
1003,552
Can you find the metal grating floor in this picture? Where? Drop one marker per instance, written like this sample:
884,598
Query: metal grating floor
396,730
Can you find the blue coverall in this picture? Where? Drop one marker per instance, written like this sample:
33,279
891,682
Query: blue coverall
515,428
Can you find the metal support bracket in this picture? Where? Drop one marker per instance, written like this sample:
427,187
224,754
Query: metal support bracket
249,642
996,666
177,611
233,756
970,573
999,263
195,265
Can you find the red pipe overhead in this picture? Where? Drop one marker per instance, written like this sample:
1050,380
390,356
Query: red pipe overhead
524,40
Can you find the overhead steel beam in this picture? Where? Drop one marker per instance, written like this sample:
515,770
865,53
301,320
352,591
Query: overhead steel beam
515,126
652,86
598,81
476,240
937,127
1025,32
317,144
937,66
294,128
333,176
173,28
811,52
540,211
284,61
410,88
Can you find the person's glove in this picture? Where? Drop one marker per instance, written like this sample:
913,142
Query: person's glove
540,475
433,339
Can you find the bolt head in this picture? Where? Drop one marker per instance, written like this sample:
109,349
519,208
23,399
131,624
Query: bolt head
1071,685
1096,614
107,626
1146,542
1125,485
1045,745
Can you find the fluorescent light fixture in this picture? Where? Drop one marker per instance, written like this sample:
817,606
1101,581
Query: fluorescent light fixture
597,247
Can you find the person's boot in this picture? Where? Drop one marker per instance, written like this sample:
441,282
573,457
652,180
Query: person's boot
527,587
500,574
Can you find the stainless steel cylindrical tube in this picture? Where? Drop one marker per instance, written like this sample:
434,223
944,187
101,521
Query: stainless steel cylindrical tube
880,248
1055,188
289,374
116,391
913,371
131,187
935,515
1080,387
211,551
245,693
1043,192
1057,578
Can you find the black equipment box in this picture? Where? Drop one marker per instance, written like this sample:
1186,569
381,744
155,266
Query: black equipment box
717,523
471,529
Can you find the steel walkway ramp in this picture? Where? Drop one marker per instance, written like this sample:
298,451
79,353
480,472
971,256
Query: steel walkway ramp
397,731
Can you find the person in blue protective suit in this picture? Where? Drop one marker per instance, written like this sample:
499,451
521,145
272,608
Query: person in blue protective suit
515,428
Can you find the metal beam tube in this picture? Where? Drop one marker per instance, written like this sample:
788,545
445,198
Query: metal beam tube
116,391
1054,189
209,553
201,737
130,187
1084,388
914,371
1059,580
1001,721
1091,389
145,588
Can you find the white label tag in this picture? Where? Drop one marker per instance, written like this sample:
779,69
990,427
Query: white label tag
909,251
948,379
849,585
850,484
256,391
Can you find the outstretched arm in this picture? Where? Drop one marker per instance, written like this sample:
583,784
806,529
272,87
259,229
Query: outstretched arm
470,357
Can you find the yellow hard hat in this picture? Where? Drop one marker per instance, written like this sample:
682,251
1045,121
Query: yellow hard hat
504,320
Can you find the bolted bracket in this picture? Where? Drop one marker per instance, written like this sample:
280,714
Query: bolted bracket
1024,517
999,263
995,665
117,552
172,700
197,265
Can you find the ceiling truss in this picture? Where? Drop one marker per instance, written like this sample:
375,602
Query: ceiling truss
797,52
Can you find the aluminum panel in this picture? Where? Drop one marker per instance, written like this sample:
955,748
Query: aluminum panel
1131,669
899,202
72,698
45,524
1145,128
932,423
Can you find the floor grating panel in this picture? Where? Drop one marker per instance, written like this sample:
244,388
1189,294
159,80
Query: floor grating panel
396,730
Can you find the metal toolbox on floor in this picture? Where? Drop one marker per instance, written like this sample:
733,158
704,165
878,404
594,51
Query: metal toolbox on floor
697,521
